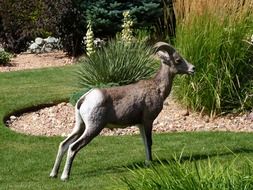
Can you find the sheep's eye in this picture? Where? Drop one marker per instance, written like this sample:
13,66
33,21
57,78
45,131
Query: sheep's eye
178,61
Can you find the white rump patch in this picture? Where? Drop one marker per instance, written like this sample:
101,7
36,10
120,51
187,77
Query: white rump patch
93,99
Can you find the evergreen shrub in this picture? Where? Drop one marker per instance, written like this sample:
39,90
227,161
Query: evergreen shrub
23,20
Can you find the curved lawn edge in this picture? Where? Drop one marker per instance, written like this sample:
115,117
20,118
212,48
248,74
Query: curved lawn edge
19,112
30,89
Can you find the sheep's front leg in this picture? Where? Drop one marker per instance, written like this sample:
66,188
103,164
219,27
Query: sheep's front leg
87,136
146,133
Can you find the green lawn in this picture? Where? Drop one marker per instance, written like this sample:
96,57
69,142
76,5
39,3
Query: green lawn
26,161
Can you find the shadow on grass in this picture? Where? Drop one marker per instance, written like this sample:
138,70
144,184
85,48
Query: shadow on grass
117,169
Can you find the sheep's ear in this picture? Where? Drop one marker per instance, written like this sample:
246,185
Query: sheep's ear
163,55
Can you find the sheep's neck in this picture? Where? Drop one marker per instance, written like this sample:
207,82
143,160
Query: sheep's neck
164,79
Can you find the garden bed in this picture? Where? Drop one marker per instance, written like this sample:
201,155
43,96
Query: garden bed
59,119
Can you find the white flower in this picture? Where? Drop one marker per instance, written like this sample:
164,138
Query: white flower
126,13
89,40
126,33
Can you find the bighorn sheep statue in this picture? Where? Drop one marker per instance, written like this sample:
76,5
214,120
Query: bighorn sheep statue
135,104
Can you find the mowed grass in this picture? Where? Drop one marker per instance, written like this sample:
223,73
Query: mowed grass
26,161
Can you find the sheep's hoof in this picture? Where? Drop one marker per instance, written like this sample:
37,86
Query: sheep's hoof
64,177
53,175
148,163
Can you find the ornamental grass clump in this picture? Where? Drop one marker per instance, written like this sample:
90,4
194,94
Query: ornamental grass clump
187,175
215,36
115,64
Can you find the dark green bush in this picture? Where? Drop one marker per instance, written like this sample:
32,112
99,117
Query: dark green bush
107,15
24,20
157,16
20,23
70,24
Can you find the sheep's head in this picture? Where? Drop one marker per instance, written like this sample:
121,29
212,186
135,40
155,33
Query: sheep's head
173,59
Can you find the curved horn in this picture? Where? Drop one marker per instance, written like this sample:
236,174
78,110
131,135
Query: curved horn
162,46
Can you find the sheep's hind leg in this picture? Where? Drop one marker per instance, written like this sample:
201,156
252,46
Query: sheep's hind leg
64,145
88,135
146,133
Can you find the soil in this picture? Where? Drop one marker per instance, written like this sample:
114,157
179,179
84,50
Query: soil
58,120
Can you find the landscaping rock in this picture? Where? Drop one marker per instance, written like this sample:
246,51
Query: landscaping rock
51,40
32,48
12,118
39,41
46,45
250,116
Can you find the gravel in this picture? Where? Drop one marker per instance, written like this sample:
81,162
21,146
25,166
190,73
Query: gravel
58,120
26,61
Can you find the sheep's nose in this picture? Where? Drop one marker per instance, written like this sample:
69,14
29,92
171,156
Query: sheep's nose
192,70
